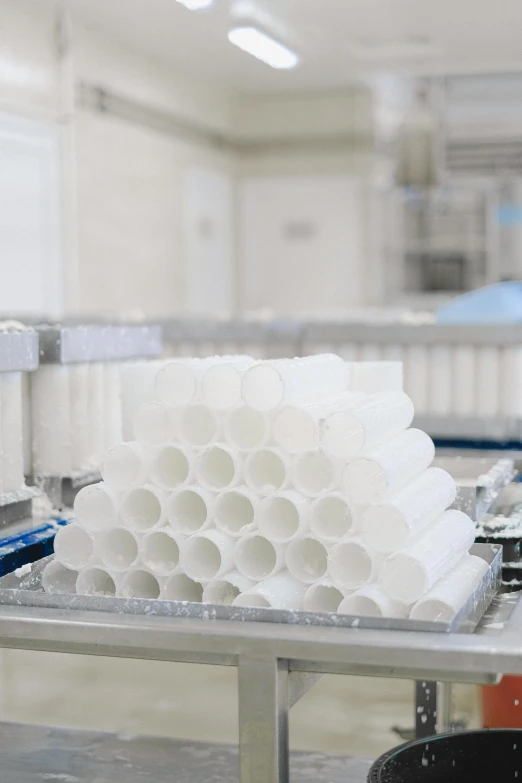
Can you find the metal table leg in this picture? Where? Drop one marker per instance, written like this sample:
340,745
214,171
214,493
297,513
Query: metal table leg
263,720
444,707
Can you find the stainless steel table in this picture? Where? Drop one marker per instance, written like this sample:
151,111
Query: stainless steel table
277,663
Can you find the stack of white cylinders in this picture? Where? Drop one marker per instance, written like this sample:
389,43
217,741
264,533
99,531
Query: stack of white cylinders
275,485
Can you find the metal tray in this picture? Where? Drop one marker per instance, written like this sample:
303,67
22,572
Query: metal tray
28,591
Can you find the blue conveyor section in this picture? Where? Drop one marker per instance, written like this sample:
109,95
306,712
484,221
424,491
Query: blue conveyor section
26,543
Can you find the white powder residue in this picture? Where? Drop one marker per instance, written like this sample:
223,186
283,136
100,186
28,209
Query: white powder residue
23,570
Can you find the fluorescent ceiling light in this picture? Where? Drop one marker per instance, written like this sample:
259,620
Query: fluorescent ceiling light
260,45
196,5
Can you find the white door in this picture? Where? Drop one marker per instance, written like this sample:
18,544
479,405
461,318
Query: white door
30,263
301,248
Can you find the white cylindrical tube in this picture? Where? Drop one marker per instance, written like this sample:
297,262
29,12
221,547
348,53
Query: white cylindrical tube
113,424
80,419
389,526
269,384
315,472
235,510
171,466
96,412
74,546
189,510
160,552
27,424
372,376
12,453
323,596
307,559
408,575
333,518
143,508
178,382
221,383
223,591
95,580
511,382
416,377
198,425
283,516
387,469
140,583
96,507
372,422
439,380
464,380
57,579
207,556
246,429
447,596
180,587
352,564
118,549
51,420
393,352
124,466
372,601
266,471
258,558
218,468
295,428
278,592
137,386
154,423
488,381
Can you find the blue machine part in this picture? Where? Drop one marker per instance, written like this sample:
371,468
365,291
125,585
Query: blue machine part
28,545
500,303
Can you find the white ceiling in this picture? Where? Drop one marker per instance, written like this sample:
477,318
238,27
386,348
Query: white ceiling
338,40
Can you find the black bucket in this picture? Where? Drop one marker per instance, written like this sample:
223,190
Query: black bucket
493,755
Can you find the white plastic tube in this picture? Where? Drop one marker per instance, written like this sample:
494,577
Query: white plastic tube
307,559
387,469
223,591
137,386
96,507
370,353
140,583
283,516
323,596
258,558
267,471
143,508
315,472
180,587
96,412
447,597
189,510
464,380
408,575
171,466
118,549
370,423
154,423
207,556
372,601
295,428
488,381
371,376
95,580
235,510
416,376
221,383
113,424
160,552
12,454
80,420
440,380
390,526
27,424
511,382
246,429
352,564
57,579
74,546
178,382
277,592
218,468
51,420
198,425
269,384
124,466
333,518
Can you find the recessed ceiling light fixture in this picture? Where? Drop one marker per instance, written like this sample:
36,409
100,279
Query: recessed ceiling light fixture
260,45
196,5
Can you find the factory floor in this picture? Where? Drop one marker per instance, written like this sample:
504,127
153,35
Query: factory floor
350,715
